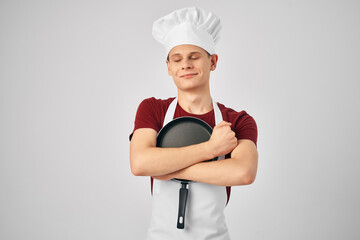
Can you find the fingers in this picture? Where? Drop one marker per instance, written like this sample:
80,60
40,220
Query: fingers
223,139
223,123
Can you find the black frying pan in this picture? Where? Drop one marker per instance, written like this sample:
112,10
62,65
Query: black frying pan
181,132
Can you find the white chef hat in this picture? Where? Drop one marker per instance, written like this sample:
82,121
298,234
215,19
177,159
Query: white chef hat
191,25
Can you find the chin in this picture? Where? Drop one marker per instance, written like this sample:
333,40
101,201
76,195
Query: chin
189,88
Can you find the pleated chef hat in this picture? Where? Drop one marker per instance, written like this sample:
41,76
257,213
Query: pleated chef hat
191,25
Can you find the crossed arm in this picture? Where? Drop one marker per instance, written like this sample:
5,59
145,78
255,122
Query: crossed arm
187,162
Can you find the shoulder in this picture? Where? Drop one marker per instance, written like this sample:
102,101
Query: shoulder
151,113
154,106
231,115
243,124
155,103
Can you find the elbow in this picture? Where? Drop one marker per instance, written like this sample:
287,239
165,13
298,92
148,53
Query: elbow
136,167
246,178
248,172
136,171
249,179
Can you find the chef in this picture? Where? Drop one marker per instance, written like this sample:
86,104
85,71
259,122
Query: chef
189,36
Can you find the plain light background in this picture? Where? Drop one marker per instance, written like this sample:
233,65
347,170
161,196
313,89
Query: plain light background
72,74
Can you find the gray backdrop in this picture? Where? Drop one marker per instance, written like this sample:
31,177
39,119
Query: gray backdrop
73,73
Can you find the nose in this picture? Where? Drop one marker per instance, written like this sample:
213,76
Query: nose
186,64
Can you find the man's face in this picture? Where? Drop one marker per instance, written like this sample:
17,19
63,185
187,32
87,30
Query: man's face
190,67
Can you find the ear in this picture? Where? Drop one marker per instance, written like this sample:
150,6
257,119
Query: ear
168,67
214,59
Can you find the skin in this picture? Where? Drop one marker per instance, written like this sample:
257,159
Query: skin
190,68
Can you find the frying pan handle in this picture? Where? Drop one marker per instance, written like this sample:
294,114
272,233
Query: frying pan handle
183,194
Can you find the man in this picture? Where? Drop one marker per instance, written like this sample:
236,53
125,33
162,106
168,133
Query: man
189,36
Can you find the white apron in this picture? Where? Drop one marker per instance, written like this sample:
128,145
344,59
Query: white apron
204,217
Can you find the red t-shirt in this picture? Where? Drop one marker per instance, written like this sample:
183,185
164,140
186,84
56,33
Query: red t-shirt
151,113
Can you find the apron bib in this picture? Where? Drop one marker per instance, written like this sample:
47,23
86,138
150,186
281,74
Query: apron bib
204,217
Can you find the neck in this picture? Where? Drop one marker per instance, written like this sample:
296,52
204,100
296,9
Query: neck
195,103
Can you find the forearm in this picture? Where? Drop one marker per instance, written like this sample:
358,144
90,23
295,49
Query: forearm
148,160
228,172
154,161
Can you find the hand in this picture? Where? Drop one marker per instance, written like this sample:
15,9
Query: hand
222,140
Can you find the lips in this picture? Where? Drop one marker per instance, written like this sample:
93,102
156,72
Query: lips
188,75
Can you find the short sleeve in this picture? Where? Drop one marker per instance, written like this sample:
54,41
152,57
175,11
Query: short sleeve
147,116
246,128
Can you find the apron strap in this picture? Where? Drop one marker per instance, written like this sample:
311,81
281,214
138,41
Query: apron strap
170,112
218,119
